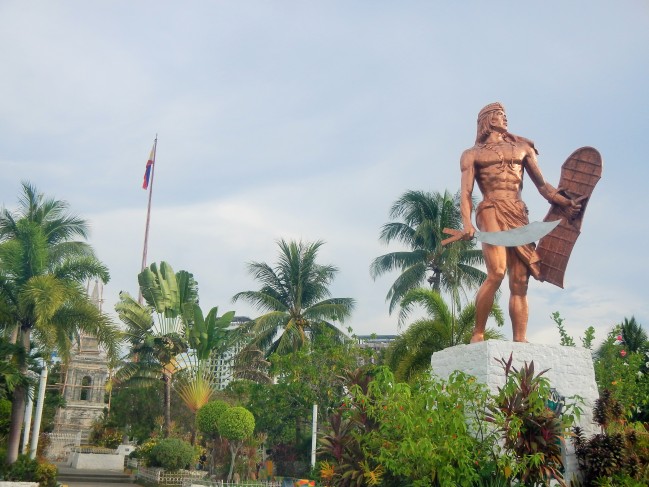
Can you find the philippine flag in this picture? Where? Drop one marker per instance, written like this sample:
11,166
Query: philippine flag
149,168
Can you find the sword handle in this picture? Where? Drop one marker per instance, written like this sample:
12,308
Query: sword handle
457,235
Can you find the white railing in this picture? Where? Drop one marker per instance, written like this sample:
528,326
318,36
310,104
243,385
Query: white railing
61,445
221,483
159,476
94,449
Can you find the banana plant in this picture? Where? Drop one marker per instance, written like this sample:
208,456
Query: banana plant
208,334
167,293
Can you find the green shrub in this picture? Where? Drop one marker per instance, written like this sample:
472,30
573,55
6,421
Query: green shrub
395,434
23,469
46,474
172,454
143,451
104,435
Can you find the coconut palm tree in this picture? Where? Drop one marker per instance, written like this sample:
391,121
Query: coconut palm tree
295,298
156,331
42,271
410,352
420,219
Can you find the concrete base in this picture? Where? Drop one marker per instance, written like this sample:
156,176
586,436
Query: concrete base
94,461
570,372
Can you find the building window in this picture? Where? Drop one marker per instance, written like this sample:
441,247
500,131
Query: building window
86,384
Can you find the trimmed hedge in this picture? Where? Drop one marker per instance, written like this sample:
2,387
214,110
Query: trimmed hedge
172,454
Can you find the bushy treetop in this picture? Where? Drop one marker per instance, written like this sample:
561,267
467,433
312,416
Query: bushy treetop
207,417
236,423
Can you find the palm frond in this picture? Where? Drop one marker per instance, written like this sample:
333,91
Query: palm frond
430,300
410,278
262,300
337,309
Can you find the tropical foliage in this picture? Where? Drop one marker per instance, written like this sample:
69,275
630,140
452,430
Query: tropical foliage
390,428
295,298
233,425
206,337
136,409
634,336
207,417
409,354
533,433
619,454
622,366
236,424
170,335
42,297
566,339
172,454
442,433
420,218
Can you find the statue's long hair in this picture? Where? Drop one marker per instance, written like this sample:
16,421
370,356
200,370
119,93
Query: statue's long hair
484,128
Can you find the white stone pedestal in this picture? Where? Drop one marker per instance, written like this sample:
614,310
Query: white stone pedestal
570,372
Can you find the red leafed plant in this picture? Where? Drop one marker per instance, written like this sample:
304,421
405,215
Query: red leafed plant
533,433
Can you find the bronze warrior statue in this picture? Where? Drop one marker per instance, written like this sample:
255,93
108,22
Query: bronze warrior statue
497,163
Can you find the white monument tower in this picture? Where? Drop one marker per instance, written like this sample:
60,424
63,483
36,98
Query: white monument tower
84,385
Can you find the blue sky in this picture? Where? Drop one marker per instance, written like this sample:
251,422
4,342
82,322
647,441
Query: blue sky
306,120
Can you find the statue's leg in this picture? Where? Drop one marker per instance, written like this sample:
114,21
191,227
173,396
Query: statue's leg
518,281
496,261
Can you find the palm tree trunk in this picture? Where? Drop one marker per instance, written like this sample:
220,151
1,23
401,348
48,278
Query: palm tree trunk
435,281
17,418
18,405
167,404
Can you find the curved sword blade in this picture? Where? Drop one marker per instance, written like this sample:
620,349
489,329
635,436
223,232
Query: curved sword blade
518,236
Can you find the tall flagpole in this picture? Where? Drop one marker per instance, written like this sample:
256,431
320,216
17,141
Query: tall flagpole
148,211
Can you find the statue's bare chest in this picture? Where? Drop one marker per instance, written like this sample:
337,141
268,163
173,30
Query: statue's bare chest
499,159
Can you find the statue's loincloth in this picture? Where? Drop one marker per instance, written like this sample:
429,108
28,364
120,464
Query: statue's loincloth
512,214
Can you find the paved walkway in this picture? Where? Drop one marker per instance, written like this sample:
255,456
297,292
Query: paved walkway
72,477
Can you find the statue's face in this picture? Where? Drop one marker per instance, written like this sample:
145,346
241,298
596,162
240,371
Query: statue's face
499,121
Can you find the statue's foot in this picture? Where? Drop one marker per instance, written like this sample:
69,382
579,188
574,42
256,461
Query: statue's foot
477,337
521,340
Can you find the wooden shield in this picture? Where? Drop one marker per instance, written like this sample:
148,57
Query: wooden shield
579,175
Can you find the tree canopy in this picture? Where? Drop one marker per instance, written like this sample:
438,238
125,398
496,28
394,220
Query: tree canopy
295,298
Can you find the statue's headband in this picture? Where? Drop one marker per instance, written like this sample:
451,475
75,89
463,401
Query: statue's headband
492,107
